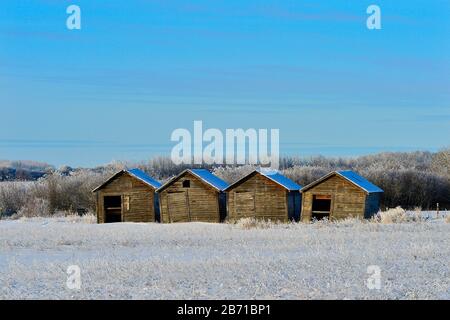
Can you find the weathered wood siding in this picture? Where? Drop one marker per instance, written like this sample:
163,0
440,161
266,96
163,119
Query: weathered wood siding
258,197
139,195
347,200
199,202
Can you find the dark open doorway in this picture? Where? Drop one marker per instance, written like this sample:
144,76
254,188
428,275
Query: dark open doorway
113,208
321,207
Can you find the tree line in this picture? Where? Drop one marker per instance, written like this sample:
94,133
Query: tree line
409,179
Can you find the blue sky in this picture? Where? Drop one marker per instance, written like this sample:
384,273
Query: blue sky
137,70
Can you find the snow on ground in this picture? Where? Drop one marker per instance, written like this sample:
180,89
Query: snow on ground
223,261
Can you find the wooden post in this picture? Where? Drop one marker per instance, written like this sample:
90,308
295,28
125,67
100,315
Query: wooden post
437,210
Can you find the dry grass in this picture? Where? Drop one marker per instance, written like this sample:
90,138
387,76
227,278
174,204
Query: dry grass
60,216
395,215
253,223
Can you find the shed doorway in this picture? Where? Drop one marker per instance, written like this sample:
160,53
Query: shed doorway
178,207
321,207
113,208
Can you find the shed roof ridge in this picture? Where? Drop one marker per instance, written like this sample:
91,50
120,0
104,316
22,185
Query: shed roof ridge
150,181
239,180
360,184
202,178
359,181
268,176
193,171
144,177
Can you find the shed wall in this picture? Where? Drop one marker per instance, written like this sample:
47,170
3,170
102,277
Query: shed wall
258,197
199,202
141,199
347,200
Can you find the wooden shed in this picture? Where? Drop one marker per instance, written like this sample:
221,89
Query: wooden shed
340,194
193,195
265,195
128,196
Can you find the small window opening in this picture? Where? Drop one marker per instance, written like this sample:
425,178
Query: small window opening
186,183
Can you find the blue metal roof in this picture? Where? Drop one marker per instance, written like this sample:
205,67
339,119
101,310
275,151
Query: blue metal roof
359,181
141,175
281,180
208,177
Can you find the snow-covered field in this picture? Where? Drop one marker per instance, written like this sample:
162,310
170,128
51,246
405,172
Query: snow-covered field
223,261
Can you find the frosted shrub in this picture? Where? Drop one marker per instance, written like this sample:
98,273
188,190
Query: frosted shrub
398,215
69,192
305,175
12,197
394,215
34,207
